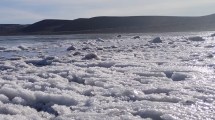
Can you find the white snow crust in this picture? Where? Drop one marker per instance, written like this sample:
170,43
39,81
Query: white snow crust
106,77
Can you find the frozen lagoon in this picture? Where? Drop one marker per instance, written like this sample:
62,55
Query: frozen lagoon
129,79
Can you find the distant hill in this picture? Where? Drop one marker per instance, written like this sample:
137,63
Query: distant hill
120,25
11,28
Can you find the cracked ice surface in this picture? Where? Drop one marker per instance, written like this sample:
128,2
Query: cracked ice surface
107,77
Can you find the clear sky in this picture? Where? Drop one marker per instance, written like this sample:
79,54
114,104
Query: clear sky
30,11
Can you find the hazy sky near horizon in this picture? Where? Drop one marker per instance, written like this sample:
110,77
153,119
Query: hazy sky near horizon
30,11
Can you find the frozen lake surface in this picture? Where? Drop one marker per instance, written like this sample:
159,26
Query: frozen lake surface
168,76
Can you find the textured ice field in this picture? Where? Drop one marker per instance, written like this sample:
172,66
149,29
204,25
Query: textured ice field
105,77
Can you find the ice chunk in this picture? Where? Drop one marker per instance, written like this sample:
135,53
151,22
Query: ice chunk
77,79
169,117
61,109
106,64
178,76
71,48
197,38
15,58
151,74
77,53
157,91
89,92
99,40
2,48
40,63
4,98
152,114
157,40
99,48
136,37
61,99
9,110
189,102
12,49
86,48
6,66
209,46
114,46
19,100
213,35
22,47
168,74
119,36
126,94
91,56
210,56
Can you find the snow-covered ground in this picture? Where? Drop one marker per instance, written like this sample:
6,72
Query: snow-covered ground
167,76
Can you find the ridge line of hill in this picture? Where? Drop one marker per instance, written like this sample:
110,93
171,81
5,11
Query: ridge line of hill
113,24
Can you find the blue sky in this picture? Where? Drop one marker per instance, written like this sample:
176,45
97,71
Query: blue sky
30,11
